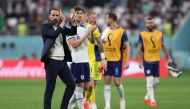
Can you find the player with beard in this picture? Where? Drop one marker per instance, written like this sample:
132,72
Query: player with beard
55,55
149,48
114,44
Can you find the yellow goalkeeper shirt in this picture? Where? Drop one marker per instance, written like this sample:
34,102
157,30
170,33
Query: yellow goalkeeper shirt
91,53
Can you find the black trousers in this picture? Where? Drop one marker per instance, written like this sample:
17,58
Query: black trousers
60,68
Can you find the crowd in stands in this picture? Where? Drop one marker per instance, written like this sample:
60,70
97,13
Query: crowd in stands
24,17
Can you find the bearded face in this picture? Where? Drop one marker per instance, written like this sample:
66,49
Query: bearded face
54,16
150,24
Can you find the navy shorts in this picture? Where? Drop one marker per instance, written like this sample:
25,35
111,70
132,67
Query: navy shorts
152,69
114,68
81,72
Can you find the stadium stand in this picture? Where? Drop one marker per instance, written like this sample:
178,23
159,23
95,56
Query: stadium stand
20,21
14,47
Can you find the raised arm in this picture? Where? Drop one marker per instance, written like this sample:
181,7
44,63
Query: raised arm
92,35
77,42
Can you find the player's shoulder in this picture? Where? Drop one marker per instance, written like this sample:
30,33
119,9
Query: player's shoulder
46,24
81,28
143,32
118,30
158,32
155,31
122,29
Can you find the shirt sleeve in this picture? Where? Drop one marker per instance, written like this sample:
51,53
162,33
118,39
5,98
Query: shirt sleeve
70,37
124,37
140,40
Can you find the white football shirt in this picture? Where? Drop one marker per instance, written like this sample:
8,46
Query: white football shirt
80,54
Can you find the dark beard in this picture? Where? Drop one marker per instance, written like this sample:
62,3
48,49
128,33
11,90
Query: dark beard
54,22
150,29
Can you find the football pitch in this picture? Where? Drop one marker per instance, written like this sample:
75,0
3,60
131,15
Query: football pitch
172,93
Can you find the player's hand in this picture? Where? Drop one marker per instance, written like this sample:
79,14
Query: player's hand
91,83
101,69
140,65
104,64
71,16
62,17
92,28
72,19
169,60
126,66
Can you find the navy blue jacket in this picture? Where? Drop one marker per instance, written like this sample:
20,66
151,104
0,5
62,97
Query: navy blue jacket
49,35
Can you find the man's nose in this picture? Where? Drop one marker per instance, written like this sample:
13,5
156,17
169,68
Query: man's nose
56,17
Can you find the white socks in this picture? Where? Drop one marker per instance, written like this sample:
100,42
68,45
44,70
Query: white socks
150,89
156,82
120,90
107,95
72,101
79,97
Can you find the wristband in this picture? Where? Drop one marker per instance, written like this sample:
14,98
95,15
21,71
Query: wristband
102,55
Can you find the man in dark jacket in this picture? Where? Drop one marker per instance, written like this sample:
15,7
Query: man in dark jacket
55,55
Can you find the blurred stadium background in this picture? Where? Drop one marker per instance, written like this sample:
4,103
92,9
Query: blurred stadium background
21,44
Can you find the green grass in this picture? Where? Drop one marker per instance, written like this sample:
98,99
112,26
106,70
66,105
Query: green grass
172,93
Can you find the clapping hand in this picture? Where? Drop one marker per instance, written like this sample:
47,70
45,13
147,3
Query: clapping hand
91,29
62,17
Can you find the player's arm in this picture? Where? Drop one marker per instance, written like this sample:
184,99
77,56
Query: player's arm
99,41
100,45
77,42
101,49
166,52
91,37
139,52
128,48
